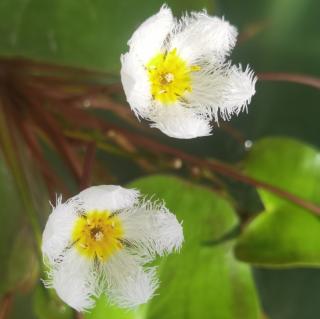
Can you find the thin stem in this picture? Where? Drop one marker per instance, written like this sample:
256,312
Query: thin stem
78,315
5,305
29,67
46,122
19,67
291,77
88,165
233,132
50,127
8,146
223,169
52,180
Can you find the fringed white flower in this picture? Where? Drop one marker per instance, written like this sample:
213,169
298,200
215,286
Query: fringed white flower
176,74
99,241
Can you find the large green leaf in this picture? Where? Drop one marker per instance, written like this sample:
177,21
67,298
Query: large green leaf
76,32
203,280
285,234
104,310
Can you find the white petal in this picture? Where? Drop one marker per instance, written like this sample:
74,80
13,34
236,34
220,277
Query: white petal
201,36
180,122
108,197
136,84
222,91
152,229
238,91
149,38
129,285
208,87
57,233
73,279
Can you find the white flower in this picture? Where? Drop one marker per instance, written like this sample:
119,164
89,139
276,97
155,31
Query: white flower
176,74
99,241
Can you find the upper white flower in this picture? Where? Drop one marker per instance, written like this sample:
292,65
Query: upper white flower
98,242
176,75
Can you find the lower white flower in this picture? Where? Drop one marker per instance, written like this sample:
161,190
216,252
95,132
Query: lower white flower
176,75
99,242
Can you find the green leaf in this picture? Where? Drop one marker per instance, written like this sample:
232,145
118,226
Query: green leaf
76,32
285,234
104,310
203,280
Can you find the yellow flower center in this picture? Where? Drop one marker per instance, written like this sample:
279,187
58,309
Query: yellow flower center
98,234
170,77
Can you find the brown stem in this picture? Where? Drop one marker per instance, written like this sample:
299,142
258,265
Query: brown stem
26,132
6,305
155,147
106,103
225,170
291,77
49,125
216,166
78,315
88,165
52,180
22,97
233,132
28,66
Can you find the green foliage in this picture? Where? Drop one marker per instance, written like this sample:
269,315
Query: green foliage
285,234
204,280
93,34
104,310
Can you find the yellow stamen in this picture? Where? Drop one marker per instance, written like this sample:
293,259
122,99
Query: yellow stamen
170,77
98,234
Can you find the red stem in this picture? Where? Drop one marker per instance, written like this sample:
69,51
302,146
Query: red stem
47,120
52,179
291,77
49,125
228,171
88,165
158,148
6,305
78,315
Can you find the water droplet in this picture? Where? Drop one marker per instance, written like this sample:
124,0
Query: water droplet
248,144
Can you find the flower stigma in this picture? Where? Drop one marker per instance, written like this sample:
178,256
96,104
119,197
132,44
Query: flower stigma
98,234
170,76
